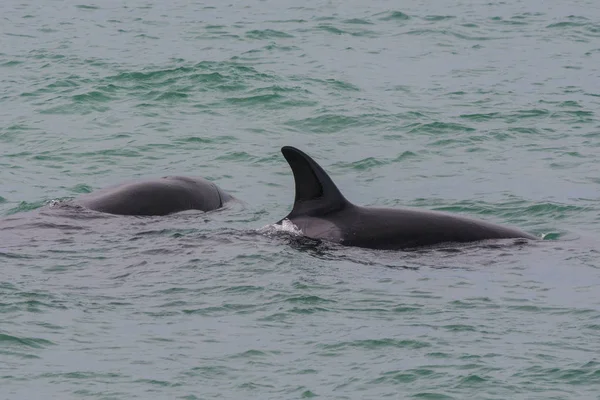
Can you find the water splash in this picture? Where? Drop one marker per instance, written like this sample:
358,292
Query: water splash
286,226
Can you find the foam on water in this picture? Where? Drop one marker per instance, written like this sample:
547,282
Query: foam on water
286,226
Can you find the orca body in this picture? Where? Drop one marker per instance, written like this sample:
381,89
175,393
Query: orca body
320,211
161,196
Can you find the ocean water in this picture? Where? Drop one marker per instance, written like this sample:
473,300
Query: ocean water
482,108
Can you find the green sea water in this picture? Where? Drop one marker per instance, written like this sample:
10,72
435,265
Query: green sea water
481,108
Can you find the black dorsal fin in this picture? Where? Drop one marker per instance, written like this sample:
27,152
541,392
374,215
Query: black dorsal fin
316,194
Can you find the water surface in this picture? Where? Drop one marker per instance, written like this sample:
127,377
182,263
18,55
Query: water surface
487,109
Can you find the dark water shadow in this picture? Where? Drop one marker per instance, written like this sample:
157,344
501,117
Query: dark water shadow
445,255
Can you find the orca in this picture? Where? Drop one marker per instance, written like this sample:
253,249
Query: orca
320,211
162,196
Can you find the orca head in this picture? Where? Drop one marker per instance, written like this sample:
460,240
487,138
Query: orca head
316,194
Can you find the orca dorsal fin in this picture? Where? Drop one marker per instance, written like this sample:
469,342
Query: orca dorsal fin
316,194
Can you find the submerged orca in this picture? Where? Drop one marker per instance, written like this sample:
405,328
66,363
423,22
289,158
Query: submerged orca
321,212
161,196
